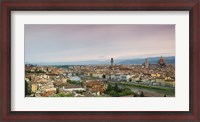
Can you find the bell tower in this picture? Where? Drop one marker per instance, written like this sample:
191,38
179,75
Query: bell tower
146,64
111,61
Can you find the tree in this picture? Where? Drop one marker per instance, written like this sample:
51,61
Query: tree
134,95
57,90
27,89
138,81
63,95
82,85
109,87
142,94
116,88
113,93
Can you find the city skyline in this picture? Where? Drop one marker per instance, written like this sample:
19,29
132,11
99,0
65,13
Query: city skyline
68,43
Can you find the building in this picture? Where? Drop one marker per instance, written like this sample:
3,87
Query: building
113,77
146,64
98,75
34,87
95,87
49,92
160,81
72,88
112,61
170,83
124,77
161,62
108,77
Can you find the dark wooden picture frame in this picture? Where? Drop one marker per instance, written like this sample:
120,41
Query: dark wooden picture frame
99,5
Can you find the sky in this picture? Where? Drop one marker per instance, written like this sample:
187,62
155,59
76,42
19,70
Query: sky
82,42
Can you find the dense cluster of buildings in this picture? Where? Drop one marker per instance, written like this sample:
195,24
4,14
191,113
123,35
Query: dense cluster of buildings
94,79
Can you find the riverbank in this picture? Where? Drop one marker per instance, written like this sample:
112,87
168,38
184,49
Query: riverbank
150,91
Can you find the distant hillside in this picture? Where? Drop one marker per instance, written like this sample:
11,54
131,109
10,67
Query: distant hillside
152,60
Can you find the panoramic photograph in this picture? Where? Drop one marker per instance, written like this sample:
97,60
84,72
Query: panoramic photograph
99,60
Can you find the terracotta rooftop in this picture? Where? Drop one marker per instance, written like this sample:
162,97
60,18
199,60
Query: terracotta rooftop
72,86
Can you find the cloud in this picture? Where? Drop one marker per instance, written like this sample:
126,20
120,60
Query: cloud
44,43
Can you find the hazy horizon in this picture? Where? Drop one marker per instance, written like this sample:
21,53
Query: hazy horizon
107,62
68,43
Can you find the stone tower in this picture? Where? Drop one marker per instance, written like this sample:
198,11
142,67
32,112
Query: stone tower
146,64
111,61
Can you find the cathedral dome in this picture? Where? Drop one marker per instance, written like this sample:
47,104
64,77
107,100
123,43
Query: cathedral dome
161,61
